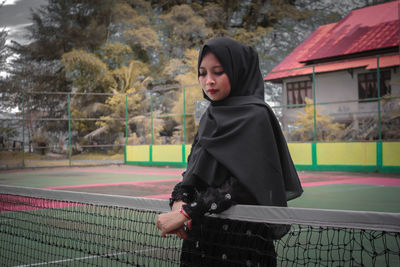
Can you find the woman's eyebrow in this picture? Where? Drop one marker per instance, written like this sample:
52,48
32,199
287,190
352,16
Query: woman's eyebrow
213,67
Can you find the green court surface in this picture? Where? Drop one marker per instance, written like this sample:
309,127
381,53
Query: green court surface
324,190
39,178
350,197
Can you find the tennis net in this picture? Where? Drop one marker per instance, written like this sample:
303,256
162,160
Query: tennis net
41,227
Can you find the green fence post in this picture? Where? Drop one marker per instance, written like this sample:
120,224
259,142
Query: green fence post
314,104
184,116
126,126
379,143
23,130
314,156
184,126
378,81
314,143
69,129
126,119
151,116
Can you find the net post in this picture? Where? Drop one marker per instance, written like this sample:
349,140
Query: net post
69,129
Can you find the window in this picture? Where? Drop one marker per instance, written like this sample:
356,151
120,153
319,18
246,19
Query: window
298,91
367,84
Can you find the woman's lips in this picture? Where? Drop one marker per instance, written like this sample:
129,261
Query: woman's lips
212,91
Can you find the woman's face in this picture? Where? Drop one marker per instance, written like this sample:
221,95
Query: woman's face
213,79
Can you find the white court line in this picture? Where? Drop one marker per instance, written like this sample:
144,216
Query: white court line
89,257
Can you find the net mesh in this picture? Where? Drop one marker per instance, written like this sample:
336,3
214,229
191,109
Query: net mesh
102,230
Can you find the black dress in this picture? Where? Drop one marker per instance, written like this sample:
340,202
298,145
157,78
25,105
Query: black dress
221,242
239,156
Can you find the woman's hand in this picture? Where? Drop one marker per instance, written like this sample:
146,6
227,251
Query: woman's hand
177,205
181,232
172,223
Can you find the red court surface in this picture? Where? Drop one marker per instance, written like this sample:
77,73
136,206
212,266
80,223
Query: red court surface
161,188
322,190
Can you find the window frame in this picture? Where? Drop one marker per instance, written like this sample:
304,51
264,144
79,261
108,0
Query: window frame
297,91
369,79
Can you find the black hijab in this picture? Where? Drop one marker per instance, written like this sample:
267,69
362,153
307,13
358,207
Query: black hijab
240,134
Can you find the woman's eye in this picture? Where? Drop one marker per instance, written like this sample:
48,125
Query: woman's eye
219,73
202,74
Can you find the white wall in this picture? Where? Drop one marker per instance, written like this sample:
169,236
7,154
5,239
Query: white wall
339,86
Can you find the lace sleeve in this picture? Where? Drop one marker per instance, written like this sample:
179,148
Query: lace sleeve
181,192
213,199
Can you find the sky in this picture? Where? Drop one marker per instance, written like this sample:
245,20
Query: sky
15,16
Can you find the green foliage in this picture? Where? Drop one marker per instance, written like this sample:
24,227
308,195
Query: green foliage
136,29
327,130
7,131
116,54
131,77
213,14
285,9
87,72
192,93
252,38
143,38
390,117
4,51
123,13
91,74
40,144
184,27
63,25
121,46
81,126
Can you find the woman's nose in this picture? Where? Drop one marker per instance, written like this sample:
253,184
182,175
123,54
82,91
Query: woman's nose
210,80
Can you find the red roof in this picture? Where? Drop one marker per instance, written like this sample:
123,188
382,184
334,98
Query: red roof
367,62
366,29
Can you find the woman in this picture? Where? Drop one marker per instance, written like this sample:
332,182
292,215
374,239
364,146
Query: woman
239,156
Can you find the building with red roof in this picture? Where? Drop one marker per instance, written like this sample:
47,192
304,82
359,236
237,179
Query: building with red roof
344,58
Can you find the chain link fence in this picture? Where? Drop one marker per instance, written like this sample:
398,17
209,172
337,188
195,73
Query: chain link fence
72,129
48,129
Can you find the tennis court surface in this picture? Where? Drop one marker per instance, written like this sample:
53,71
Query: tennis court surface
325,190
87,216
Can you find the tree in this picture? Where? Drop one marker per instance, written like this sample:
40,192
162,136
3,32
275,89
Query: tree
87,72
57,28
193,92
135,28
4,52
63,25
128,98
103,46
184,29
135,75
116,54
119,84
215,17
327,130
